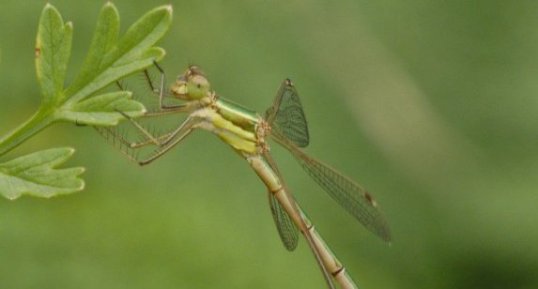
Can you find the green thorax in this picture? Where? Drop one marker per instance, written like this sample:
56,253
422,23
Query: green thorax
243,117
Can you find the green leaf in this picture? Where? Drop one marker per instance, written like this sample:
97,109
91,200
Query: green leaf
109,60
104,39
143,34
103,109
53,47
35,175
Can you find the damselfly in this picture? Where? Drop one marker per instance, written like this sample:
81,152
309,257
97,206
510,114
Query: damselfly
247,133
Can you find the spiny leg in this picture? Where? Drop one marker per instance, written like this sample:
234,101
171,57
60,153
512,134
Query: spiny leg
175,138
140,144
161,89
129,148
163,108
112,134
161,140
166,141
116,139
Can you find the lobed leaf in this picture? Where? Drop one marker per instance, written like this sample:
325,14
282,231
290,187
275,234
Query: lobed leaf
104,39
35,175
53,48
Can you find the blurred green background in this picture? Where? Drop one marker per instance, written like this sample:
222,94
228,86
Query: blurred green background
432,105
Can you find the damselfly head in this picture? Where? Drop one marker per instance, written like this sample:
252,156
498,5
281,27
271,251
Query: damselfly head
191,85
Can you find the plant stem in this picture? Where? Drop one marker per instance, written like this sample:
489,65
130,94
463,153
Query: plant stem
40,120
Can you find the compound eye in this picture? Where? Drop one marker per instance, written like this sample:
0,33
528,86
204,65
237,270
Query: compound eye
199,81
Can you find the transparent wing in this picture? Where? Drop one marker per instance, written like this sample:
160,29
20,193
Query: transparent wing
350,195
286,228
284,225
287,115
307,233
